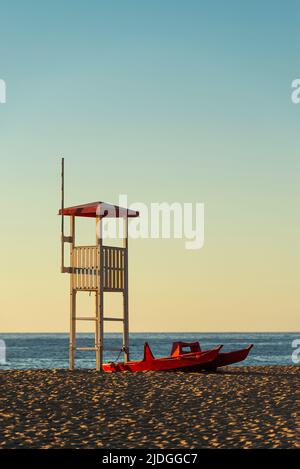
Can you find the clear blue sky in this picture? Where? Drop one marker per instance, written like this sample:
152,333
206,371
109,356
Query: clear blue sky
164,101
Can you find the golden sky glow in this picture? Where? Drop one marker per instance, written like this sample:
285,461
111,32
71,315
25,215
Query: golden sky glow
175,107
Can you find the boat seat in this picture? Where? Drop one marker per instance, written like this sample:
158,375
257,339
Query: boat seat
178,348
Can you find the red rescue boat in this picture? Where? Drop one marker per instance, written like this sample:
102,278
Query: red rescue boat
221,359
176,362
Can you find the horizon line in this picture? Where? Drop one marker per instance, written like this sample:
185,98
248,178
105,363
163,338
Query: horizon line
162,332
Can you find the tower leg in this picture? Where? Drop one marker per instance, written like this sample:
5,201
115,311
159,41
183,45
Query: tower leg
72,329
101,322
99,300
125,327
125,298
99,330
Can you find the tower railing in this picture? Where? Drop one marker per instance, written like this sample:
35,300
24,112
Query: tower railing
114,267
85,267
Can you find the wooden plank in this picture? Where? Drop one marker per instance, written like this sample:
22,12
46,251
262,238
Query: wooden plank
115,268
78,270
87,262
113,319
85,348
75,255
113,349
110,283
93,268
105,276
86,265
86,318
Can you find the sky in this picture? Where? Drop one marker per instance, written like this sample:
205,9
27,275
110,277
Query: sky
173,101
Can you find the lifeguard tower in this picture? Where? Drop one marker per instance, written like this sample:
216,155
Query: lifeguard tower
97,269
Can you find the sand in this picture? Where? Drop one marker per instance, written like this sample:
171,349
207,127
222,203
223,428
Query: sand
238,407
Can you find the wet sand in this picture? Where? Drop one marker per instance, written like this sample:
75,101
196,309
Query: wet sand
238,407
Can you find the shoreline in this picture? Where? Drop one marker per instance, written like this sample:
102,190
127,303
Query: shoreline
237,407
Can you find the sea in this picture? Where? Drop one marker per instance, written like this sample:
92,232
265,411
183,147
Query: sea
35,350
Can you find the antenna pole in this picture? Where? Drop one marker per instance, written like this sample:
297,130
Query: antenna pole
62,215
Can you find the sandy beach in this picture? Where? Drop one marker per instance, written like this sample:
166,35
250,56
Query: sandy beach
238,407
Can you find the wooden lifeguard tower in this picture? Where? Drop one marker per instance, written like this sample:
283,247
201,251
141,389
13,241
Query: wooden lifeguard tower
98,269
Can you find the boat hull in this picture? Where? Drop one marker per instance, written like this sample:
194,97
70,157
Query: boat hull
181,360
227,358
222,359
178,363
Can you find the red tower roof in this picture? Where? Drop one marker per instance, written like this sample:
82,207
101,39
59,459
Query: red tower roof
99,209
